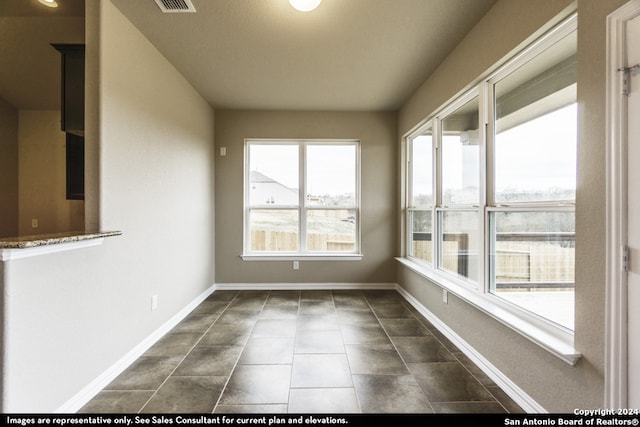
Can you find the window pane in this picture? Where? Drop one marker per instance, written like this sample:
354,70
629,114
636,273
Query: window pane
421,231
460,156
422,170
533,262
273,175
331,230
458,241
324,175
331,175
273,230
536,128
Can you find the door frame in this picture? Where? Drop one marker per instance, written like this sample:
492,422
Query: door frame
616,330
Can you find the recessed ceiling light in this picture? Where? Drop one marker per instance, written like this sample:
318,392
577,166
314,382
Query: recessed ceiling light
49,3
305,5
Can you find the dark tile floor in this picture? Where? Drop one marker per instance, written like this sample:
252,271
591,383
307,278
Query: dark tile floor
315,351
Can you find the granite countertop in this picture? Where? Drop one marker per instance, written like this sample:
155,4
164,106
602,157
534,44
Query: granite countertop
24,242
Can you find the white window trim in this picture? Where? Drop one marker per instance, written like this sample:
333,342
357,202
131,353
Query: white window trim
408,217
302,255
555,338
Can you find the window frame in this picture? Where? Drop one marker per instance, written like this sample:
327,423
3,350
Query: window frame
440,208
554,337
302,253
411,208
538,47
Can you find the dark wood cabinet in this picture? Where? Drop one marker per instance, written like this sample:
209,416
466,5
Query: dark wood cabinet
72,94
72,115
75,167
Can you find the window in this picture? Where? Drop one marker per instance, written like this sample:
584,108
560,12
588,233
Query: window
301,198
491,185
421,200
531,216
458,211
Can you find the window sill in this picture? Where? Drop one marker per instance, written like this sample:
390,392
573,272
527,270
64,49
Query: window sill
553,338
302,257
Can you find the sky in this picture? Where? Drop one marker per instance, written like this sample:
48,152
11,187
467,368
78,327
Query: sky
532,160
330,169
525,157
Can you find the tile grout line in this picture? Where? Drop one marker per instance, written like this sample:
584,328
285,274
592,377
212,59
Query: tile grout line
482,384
344,346
369,298
400,354
408,307
294,353
187,354
235,365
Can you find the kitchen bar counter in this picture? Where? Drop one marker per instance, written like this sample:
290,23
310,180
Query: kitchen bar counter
25,246
51,239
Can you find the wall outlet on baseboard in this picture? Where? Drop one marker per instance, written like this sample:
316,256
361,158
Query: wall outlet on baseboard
34,223
154,302
296,265
445,296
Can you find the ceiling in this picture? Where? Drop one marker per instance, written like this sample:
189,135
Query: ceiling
364,55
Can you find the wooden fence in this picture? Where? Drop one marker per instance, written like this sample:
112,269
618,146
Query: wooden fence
524,260
274,241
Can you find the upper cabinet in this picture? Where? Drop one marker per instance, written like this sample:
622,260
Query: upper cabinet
72,109
72,116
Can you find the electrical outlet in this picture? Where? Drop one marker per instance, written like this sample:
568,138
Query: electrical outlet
445,296
296,265
34,223
154,302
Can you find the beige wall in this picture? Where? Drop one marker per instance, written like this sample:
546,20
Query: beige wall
377,135
555,385
8,169
42,176
88,308
591,191
33,186
153,177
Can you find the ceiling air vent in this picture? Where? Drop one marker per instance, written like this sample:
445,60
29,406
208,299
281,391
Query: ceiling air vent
175,6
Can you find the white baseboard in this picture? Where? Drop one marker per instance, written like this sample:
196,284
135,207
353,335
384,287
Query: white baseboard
509,387
301,286
518,395
95,386
98,384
